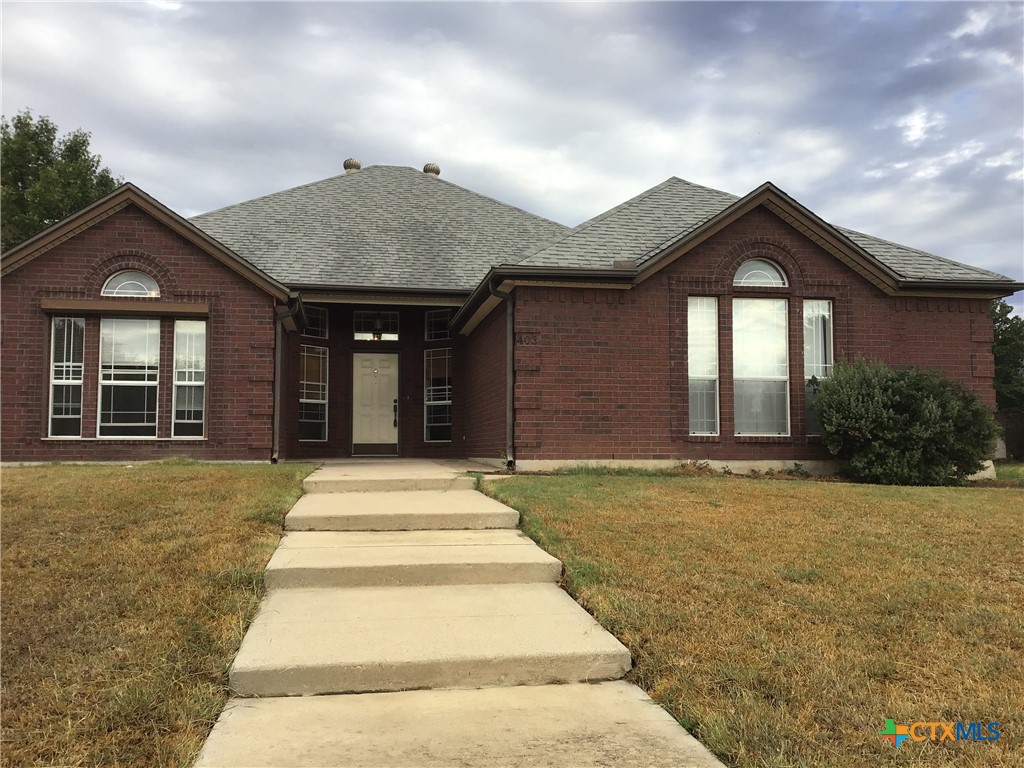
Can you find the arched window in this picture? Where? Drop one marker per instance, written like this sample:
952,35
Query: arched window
130,283
758,272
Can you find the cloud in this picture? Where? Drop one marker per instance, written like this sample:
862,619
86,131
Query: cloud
902,120
977,21
917,125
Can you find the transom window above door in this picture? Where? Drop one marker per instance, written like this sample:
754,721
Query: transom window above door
374,326
759,273
131,282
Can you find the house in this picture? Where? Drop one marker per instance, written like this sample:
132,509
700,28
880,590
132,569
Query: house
386,311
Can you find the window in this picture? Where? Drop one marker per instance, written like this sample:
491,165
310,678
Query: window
189,378
758,272
760,366
437,321
817,354
437,395
129,371
313,393
316,322
375,326
67,351
702,362
130,283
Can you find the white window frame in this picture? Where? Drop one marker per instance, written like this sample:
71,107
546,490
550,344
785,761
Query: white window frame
780,274
64,379
189,381
153,384
321,313
323,386
822,369
432,315
696,304
784,378
437,396
360,317
146,292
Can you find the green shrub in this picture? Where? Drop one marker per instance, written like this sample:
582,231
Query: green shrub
904,427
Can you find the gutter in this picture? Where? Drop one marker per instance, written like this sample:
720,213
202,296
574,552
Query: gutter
992,287
293,310
510,373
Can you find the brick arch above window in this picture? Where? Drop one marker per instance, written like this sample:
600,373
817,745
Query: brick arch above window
768,249
134,259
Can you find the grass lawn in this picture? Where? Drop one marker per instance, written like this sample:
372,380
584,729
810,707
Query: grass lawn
125,594
1012,471
783,621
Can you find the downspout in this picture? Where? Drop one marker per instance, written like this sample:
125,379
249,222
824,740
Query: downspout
293,310
510,374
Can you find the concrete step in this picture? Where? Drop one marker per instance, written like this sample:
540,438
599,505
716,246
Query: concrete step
408,558
399,511
554,725
316,641
384,475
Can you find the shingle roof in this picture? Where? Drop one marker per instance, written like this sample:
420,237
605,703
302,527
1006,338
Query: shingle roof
638,228
912,264
631,230
382,227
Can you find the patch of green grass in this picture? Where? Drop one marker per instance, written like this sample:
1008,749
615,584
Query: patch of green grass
126,590
782,621
1012,471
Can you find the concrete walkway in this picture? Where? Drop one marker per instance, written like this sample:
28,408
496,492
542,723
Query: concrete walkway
433,634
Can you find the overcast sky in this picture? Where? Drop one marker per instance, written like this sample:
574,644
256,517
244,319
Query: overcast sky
905,121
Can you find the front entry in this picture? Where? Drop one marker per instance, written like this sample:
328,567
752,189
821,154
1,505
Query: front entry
375,403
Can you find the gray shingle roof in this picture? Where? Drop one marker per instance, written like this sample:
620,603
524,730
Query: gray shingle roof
389,227
912,264
382,227
631,230
638,228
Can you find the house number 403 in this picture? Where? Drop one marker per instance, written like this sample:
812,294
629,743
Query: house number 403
526,338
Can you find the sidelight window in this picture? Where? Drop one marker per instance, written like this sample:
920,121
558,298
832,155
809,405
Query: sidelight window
313,393
437,395
66,368
702,364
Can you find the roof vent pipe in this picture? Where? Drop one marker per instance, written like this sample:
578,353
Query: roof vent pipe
352,165
432,169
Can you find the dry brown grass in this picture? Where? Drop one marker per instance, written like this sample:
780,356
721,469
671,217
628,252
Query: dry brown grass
125,594
783,621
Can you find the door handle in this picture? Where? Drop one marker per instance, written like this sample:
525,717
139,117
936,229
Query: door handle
394,409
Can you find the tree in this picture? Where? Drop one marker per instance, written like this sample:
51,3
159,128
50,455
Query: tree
1008,349
45,178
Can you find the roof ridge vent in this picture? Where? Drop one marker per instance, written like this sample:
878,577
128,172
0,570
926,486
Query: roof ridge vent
352,165
432,169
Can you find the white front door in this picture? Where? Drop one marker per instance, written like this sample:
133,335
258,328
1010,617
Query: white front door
375,402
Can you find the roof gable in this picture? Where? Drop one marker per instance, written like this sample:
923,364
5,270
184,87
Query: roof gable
671,218
382,227
125,195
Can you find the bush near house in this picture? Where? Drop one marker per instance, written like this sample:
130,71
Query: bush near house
904,426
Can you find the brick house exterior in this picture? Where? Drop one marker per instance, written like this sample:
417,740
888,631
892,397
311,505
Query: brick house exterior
388,312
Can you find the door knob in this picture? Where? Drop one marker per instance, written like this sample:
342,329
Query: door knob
394,409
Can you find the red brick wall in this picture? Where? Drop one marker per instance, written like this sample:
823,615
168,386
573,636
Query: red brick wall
340,346
240,345
483,387
602,374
